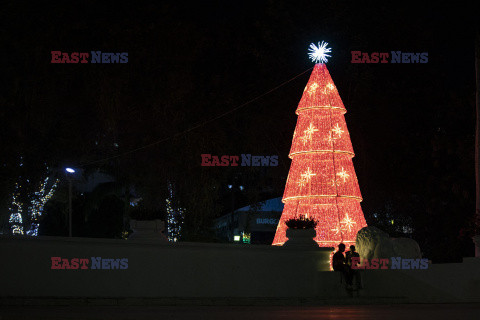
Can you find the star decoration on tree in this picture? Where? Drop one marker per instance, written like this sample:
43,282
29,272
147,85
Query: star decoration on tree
329,87
343,175
307,134
337,130
335,183
348,222
319,54
312,88
336,230
331,138
305,177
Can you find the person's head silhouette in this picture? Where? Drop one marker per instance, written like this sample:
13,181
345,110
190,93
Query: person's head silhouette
341,247
352,248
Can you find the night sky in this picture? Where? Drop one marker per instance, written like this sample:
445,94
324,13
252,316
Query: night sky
412,125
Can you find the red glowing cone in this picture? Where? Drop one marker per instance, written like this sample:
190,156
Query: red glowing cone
322,183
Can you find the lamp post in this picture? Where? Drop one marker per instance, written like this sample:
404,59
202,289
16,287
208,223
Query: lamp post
233,210
69,171
233,187
476,238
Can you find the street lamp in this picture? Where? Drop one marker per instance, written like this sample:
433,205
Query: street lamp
70,171
233,188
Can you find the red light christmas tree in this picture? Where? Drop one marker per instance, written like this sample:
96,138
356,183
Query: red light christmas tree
322,183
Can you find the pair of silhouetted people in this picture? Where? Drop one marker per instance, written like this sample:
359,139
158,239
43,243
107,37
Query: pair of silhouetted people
343,264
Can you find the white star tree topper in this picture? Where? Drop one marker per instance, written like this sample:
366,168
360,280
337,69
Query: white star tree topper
319,54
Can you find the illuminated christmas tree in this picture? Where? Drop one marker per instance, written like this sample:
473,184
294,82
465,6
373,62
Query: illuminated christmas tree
322,183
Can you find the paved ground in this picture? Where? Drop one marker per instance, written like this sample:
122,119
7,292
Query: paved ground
397,311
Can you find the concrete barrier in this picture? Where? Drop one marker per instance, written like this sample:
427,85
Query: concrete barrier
157,269
213,271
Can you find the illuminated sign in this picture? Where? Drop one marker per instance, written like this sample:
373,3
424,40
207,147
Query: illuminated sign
267,221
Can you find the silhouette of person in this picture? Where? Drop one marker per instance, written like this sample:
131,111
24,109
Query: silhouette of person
338,260
350,254
354,273
339,264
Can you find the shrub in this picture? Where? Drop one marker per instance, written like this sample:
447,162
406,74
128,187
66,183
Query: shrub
301,223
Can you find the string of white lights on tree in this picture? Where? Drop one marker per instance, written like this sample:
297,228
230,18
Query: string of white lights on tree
16,209
175,216
37,203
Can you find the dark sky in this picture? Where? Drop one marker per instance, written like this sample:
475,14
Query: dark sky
191,61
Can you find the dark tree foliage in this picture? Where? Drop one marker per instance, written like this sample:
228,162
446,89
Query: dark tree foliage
107,220
54,222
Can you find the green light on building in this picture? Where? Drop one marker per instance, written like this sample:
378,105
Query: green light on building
246,237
